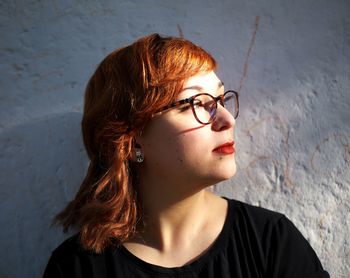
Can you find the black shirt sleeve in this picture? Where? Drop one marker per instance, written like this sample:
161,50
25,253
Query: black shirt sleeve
290,254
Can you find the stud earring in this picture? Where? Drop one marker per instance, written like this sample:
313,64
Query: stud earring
139,156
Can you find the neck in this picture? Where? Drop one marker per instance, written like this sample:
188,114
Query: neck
171,219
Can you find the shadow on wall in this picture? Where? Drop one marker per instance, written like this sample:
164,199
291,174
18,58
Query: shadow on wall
42,165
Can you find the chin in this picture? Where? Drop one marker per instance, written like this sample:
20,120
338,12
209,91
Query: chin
230,171
227,170
228,175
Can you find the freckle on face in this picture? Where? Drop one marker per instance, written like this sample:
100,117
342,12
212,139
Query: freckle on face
179,159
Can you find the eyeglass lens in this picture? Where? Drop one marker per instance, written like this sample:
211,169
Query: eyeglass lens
230,103
205,106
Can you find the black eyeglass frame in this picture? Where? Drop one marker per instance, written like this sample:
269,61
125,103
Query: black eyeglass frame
191,99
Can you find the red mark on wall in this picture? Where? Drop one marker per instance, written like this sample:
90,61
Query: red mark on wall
181,34
331,155
246,62
279,169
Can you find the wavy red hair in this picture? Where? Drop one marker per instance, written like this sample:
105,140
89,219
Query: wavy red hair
126,89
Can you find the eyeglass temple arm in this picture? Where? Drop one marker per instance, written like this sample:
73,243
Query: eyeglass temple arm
174,104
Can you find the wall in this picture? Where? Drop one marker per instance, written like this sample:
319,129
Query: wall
289,60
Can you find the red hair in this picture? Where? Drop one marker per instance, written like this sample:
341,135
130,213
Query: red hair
127,87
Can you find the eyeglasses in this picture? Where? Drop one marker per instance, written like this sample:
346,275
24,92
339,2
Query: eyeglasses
204,106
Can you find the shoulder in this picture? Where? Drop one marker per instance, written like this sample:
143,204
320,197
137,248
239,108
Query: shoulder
285,251
64,256
268,227
69,247
70,259
71,250
254,225
270,224
250,216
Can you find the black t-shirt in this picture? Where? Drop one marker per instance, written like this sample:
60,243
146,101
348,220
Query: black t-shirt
254,242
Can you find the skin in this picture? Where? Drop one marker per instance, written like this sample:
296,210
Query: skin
182,217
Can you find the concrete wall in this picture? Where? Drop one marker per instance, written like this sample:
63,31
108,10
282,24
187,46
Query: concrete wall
289,59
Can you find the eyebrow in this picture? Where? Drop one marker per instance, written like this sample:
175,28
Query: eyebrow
201,89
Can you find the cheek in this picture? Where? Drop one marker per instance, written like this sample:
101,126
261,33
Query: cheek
192,148
182,143
161,149
176,151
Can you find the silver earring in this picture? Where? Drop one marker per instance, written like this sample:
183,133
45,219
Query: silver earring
139,156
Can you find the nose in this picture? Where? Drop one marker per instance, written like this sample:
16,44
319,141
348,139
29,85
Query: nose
223,119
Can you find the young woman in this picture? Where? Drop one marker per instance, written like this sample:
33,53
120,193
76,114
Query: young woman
158,127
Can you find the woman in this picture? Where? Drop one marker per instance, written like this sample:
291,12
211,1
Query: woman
158,129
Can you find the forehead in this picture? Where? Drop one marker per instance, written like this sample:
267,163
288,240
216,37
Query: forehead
201,83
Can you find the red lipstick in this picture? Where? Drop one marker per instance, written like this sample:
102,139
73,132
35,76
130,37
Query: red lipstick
226,148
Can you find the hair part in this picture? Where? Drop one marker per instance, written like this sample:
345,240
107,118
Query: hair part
129,85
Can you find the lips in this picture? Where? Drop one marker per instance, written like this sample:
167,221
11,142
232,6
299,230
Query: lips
227,148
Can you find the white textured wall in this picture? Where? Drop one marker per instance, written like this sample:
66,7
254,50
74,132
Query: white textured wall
289,59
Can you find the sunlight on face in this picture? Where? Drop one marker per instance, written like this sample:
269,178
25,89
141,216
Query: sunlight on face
177,147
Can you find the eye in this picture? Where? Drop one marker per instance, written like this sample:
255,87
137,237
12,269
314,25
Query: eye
209,105
205,103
